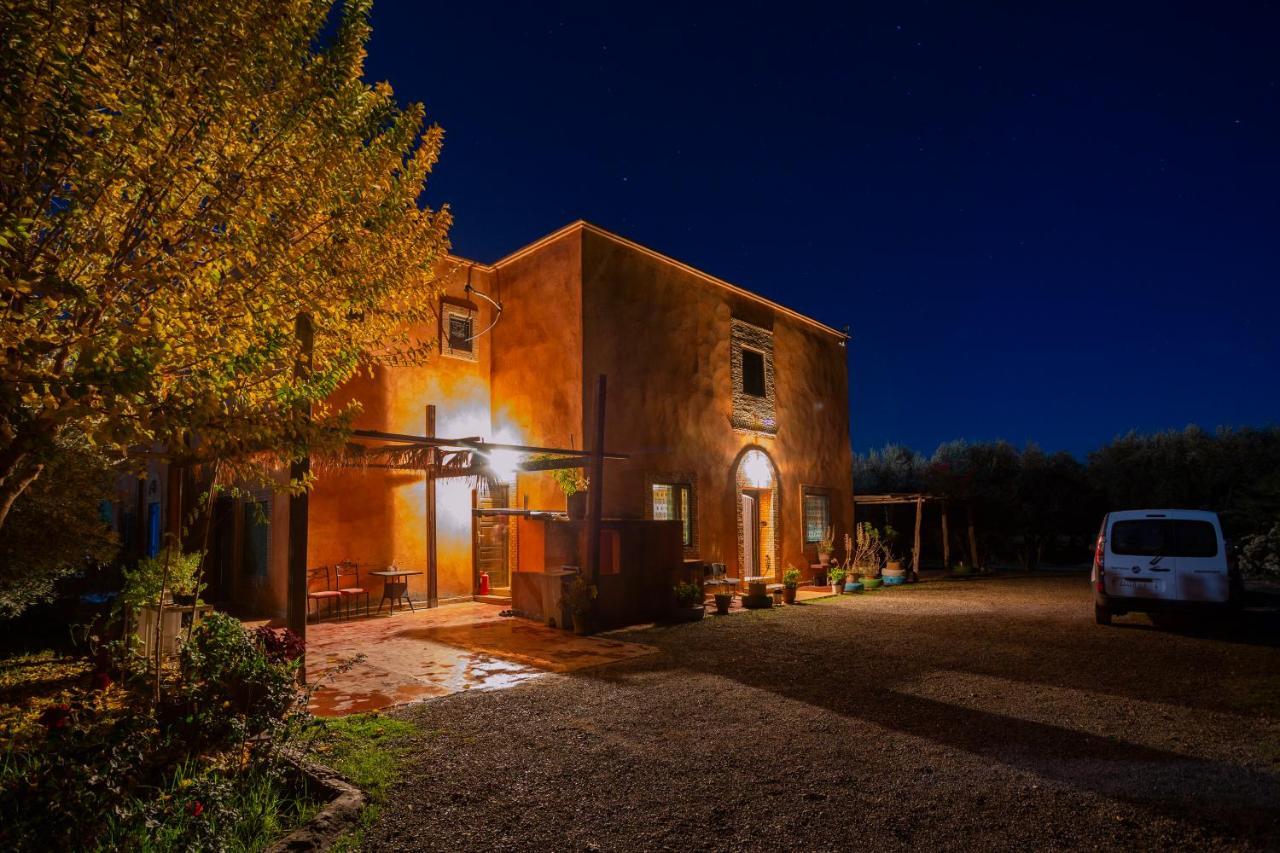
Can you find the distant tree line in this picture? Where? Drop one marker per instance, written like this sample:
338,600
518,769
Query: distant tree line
1033,507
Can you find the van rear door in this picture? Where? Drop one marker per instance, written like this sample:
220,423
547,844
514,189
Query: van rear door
1201,561
1139,559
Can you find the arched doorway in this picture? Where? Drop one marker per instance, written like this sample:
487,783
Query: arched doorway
757,510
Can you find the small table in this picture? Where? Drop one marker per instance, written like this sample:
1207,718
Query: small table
395,587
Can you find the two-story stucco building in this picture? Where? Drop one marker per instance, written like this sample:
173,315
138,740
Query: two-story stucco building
732,409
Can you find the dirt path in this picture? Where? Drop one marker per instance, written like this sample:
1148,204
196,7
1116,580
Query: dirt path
956,715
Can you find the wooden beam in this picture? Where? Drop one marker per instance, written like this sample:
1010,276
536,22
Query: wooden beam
915,550
296,599
433,597
595,491
476,443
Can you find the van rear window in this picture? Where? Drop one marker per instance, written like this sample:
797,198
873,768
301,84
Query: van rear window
1167,537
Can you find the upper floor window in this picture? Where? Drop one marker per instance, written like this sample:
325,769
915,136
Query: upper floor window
753,373
457,328
674,502
817,517
751,367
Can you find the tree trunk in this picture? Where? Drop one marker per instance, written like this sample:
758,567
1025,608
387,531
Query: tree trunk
973,539
946,541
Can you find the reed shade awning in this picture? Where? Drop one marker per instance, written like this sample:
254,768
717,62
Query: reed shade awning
441,458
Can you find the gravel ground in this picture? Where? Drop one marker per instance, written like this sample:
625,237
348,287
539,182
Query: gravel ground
989,713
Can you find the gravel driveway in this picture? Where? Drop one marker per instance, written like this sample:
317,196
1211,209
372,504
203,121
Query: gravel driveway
989,713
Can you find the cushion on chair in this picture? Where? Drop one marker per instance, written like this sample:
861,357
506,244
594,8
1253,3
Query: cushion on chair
325,593
353,590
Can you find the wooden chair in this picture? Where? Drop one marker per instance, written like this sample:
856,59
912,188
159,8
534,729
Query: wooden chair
327,594
351,569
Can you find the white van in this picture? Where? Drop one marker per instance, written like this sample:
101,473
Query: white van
1156,560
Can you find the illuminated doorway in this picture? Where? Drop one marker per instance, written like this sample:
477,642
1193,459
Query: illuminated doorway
757,510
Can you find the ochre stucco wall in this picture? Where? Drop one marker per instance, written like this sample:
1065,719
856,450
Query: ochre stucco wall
662,336
377,516
537,364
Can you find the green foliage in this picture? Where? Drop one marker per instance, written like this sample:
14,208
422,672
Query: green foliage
1260,554
56,529
144,583
231,691
581,595
836,575
688,594
1031,506
179,184
791,577
104,768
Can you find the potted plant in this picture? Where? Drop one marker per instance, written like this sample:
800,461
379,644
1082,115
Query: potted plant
867,550
573,482
581,597
723,600
690,604
962,569
893,572
790,582
826,546
835,576
171,575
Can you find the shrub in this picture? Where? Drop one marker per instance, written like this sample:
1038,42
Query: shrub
791,577
1260,554
688,594
237,685
836,575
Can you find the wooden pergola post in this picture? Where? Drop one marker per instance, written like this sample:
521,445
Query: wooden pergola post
595,490
946,541
915,549
433,595
296,599
973,538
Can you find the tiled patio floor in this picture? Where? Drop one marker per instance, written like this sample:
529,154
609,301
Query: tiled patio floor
413,656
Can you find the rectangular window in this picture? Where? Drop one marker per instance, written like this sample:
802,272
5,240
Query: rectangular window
817,517
673,502
753,373
460,333
1164,538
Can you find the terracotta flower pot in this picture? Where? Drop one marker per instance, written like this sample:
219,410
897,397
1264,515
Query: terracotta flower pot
581,623
576,505
722,604
788,595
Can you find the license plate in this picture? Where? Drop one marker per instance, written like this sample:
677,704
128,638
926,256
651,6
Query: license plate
1140,585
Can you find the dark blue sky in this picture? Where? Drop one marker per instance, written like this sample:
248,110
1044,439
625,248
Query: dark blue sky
1055,223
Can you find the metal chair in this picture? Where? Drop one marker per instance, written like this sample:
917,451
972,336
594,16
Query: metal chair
327,594
351,569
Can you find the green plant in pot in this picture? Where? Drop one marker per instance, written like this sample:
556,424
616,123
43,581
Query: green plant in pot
790,582
826,546
835,576
689,602
171,572
868,548
581,598
723,600
573,482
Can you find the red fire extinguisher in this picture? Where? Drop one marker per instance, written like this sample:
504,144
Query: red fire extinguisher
484,583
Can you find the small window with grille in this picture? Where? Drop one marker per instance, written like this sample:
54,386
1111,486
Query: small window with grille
674,502
457,331
817,517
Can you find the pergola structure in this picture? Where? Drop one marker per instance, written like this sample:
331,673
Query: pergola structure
440,458
919,499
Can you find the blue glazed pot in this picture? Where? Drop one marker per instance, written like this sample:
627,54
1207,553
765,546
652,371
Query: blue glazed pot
894,581
853,586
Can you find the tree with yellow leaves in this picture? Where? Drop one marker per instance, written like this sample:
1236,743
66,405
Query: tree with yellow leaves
182,180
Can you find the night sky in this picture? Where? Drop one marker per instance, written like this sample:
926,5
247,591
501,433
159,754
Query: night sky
1042,224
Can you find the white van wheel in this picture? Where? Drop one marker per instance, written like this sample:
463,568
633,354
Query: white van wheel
1101,615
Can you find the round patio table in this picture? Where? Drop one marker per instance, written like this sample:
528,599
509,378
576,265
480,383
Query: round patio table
395,587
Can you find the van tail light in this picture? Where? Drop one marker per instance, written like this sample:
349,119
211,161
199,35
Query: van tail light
1097,563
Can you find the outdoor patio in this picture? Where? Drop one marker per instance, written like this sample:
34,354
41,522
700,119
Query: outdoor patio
411,656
